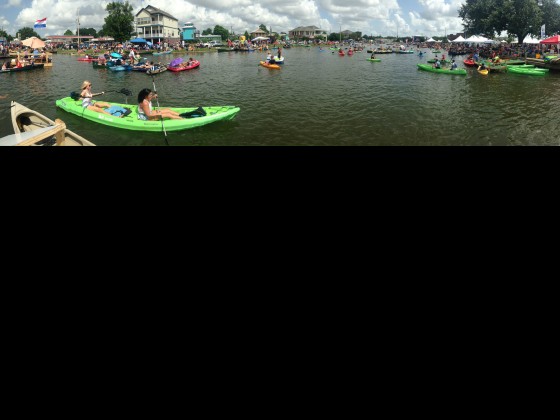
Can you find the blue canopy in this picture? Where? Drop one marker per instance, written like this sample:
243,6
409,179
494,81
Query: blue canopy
149,43
138,41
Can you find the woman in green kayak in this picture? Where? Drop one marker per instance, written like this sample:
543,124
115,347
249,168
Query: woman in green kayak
145,111
87,101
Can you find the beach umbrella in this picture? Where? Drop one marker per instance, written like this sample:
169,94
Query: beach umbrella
116,55
176,62
33,42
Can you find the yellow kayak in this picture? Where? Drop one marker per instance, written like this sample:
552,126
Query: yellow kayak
270,66
484,72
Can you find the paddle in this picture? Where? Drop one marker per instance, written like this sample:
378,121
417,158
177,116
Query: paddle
124,91
157,100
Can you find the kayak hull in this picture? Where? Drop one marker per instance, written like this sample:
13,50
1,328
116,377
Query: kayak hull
374,60
131,121
526,71
269,66
195,64
426,67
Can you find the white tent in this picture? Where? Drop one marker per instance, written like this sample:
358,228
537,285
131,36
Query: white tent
530,40
478,39
260,38
459,39
431,40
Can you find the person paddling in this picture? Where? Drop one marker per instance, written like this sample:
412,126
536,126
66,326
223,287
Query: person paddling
88,102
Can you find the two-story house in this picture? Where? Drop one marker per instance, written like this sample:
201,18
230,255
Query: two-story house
155,25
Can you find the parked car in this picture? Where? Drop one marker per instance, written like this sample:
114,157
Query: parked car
213,44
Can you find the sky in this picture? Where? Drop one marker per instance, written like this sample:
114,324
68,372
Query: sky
371,17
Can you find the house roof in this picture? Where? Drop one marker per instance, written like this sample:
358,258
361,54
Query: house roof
154,10
305,28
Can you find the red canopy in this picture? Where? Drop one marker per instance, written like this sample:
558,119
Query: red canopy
552,40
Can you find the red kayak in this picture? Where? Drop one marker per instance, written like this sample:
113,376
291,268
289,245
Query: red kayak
194,65
469,62
341,53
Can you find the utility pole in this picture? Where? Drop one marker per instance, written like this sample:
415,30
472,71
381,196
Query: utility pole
78,21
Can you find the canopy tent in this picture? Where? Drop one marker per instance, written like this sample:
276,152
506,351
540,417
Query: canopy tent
260,38
459,39
138,41
478,39
530,40
552,40
431,40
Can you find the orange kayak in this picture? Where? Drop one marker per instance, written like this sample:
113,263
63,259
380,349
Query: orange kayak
270,66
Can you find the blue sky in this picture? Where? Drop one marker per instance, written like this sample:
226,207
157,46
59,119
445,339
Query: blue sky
377,17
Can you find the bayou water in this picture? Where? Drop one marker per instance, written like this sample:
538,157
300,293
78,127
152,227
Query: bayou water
316,98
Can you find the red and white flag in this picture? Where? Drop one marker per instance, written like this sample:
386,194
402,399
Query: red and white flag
41,23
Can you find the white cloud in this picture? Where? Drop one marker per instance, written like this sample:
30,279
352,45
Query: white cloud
368,16
13,3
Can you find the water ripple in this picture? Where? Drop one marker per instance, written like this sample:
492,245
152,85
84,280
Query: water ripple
317,98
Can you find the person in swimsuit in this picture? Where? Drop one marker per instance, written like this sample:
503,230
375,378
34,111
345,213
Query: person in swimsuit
87,101
146,112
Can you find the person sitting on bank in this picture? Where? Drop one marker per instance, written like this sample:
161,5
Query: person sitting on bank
87,101
146,111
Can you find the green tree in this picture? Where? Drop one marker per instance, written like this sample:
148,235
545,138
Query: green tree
119,23
207,31
517,17
263,27
87,31
223,32
551,16
68,32
4,34
27,32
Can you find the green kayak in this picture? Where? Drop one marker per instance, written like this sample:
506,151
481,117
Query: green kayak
528,72
131,121
432,61
374,60
426,67
527,66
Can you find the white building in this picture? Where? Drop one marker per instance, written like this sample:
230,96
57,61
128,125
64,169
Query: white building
155,25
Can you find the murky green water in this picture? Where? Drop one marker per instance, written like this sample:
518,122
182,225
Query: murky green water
317,98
